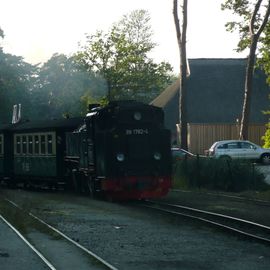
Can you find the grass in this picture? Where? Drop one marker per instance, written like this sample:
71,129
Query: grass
217,174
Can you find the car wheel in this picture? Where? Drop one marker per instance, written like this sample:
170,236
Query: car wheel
265,159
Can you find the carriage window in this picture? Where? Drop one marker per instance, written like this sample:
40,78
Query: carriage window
30,145
43,144
50,144
36,144
24,145
18,144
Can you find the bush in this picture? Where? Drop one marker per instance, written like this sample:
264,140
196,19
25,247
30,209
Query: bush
266,137
217,174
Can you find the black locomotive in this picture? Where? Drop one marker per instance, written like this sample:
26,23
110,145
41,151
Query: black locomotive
121,150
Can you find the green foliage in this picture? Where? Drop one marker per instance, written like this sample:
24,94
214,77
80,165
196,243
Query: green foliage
117,61
1,33
243,10
264,60
57,88
87,99
62,88
218,174
266,137
16,79
121,57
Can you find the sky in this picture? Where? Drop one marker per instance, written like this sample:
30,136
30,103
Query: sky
36,29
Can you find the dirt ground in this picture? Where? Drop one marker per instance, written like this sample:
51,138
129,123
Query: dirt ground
245,205
133,238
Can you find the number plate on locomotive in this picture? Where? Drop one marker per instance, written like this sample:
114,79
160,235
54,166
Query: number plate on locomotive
136,131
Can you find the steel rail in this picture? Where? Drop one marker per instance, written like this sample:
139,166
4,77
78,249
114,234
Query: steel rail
206,216
106,264
220,194
38,253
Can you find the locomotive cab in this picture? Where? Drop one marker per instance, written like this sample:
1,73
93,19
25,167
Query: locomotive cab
131,149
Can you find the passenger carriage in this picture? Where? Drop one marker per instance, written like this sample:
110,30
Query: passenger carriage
6,151
38,150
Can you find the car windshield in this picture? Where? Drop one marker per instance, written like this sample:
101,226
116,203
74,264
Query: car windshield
213,146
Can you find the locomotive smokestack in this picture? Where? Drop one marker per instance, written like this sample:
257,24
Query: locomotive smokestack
19,115
16,115
93,106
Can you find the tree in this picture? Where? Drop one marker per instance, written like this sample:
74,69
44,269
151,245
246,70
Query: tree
254,20
62,86
266,137
121,57
1,34
16,78
181,39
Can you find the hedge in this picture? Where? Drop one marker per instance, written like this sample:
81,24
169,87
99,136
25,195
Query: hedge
217,174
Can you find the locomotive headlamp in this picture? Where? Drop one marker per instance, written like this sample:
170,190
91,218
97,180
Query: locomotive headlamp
157,156
137,116
120,157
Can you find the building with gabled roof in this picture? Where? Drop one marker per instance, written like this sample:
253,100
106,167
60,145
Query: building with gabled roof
215,93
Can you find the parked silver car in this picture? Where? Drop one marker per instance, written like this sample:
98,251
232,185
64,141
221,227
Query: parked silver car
239,149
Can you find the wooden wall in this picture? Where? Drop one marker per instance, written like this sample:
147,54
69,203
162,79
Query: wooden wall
202,136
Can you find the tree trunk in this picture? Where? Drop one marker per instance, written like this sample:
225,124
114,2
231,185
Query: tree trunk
181,39
254,36
248,89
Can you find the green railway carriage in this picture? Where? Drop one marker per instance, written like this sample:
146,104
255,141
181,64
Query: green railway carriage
39,148
35,154
1,153
6,148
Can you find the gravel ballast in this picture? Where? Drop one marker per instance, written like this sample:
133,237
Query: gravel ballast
129,237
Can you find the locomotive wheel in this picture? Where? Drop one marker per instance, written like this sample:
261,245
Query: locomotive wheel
11,183
75,183
68,178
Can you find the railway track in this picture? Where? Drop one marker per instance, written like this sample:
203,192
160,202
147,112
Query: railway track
231,197
246,228
50,244
44,261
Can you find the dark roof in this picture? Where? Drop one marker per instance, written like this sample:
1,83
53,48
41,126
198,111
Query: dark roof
5,126
66,124
215,92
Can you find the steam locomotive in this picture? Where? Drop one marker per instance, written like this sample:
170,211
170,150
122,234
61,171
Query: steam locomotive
120,151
